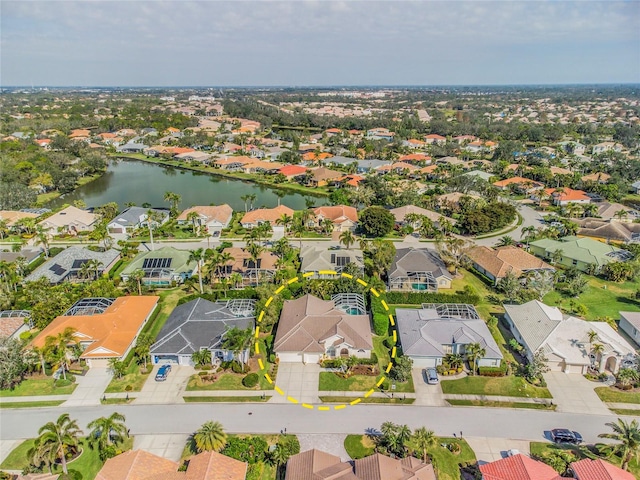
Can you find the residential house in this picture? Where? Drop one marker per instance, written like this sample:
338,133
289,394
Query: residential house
318,465
401,213
233,164
14,322
608,231
606,147
518,467
321,259
211,219
564,196
520,184
202,157
574,148
608,211
351,181
596,177
11,217
460,139
311,158
428,334
416,158
29,255
322,176
477,146
343,217
162,267
252,271
414,143
584,254
380,134
598,469
133,218
68,265
630,324
259,166
70,220
435,139
105,328
362,166
479,174
496,263
265,215
292,171
132,148
311,329
418,270
565,340
398,168
201,325
141,465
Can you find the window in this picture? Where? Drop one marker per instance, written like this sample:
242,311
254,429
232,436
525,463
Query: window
574,262
447,349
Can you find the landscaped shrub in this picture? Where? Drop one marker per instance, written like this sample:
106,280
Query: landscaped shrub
332,363
500,371
380,323
251,380
62,382
414,298
128,388
272,357
236,367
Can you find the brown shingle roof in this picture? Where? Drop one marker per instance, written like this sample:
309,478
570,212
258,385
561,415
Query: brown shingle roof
221,213
381,467
12,216
266,215
306,323
337,213
305,465
501,260
9,325
240,255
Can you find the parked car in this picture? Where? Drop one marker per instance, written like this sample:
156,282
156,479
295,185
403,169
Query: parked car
163,371
431,375
563,435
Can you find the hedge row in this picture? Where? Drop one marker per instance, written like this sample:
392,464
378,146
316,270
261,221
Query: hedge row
415,298
220,294
500,371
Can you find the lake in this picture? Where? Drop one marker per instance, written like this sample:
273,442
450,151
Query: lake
140,182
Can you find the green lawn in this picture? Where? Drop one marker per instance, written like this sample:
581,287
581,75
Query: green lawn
116,401
38,386
446,464
484,308
225,381
510,386
486,403
625,411
132,381
329,381
601,298
47,403
545,449
613,395
397,400
226,399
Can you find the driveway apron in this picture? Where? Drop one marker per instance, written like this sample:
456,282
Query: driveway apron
90,388
573,393
297,381
427,394
167,391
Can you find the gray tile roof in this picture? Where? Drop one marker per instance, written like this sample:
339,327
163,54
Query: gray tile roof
423,332
417,260
535,321
56,269
199,324
132,216
315,259
632,317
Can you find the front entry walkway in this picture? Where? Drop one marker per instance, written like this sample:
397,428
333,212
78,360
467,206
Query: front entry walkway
573,393
297,381
90,387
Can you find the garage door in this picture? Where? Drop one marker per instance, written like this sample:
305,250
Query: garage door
556,366
424,362
186,360
162,359
116,230
98,362
312,358
290,357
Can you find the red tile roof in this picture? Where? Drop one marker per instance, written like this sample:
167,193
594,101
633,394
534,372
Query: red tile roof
588,469
518,467
292,170
567,194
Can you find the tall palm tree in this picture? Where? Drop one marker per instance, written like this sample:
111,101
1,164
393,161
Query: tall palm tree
347,239
198,256
597,350
245,199
474,352
505,241
106,430
252,198
42,238
286,221
94,266
194,218
237,341
59,437
423,439
326,226
527,233
628,434
210,437
4,228
58,348
137,276
152,217
174,200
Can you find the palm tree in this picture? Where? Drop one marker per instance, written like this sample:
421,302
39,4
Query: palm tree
94,267
277,457
326,226
593,335
197,256
628,434
201,357
527,233
597,350
59,437
210,437
505,241
245,199
286,221
193,217
347,239
58,348
143,348
252,198
237,341
174,200
137,276
42,238
152,217
423,439
474,352
454,360
106,430
4,228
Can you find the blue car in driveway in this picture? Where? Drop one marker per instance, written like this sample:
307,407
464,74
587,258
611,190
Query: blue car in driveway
163,371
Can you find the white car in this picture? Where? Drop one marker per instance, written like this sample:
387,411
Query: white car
431,375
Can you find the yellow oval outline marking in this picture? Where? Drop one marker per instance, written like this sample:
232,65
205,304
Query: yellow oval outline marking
295,401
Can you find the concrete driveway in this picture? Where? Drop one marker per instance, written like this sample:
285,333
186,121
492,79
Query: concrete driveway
169,446
491,449
426,394
573,393
168,391
90,387
297,381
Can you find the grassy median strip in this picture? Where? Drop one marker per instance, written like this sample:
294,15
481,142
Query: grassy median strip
400,401
483,403
226,399
44,403
625,411
116,401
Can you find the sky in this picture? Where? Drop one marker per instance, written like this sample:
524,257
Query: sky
318,43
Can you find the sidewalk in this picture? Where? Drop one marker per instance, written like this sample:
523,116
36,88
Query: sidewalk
35,398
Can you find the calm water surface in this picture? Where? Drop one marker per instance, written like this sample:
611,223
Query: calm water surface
139,182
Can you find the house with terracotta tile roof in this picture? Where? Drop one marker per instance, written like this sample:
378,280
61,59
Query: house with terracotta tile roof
415,158
351,180
496,263
598,469
14,322
70,220
318,465
343,217
212,218
292,171
434,138
80,132
414,143
261,166
271,215
518,467
252,271
564,196
141,465
311,329
596,177
397,168
521,184
233,163
322,176
105,328
332,131
312,157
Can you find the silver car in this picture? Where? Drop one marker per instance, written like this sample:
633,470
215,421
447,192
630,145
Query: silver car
431,375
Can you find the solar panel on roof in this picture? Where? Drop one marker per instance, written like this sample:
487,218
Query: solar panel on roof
152,263
79,263
57,269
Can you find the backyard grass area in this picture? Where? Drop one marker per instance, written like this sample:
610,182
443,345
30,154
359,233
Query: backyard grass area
546,449
601,298
46,403
226,399
613,395
486,403
446,464
387,400
38,386
329,381
484,308
510,386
